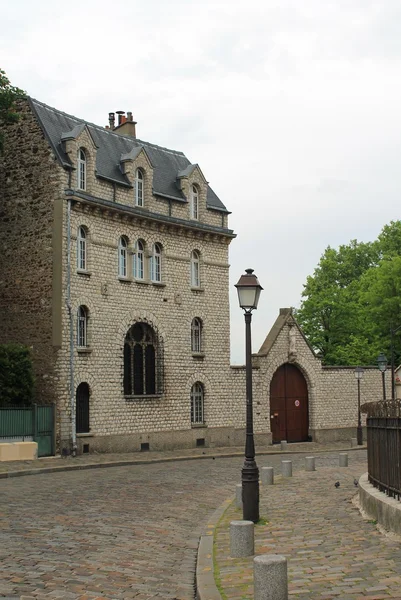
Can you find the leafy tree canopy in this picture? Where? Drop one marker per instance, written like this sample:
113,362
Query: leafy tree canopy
353,299
8,95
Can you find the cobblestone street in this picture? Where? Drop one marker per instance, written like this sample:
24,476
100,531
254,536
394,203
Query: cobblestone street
131,532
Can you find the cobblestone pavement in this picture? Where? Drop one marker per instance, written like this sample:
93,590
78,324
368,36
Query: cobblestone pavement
332,551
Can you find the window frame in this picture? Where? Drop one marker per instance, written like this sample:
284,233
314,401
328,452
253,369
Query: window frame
196,335
195,269
138,266
155,264
82,327
82,249
122,257
139,187
81,169
197,396
194,203
142,361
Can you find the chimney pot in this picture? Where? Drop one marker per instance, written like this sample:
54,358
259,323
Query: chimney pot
111,120
129,116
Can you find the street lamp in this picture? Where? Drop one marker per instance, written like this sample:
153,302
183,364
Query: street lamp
358,376
249,288
382,363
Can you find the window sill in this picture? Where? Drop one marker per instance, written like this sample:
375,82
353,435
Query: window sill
141,281
158,284
143,397
198,355
124,279
84,273
84,435
197,289
84,350
198,425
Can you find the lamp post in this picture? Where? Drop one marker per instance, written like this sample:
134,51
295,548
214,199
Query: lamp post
382,363
358,376
249,288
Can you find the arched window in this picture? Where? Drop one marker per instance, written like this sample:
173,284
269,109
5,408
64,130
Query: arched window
138,187
139,261
81,249
81,169
143,361
156,264
195,269
197,409
122,257
196,335
82,327
194,202
82,408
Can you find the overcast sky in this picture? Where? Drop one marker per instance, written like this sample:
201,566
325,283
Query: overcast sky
292,108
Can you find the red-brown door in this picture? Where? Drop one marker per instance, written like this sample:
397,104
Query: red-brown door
289,405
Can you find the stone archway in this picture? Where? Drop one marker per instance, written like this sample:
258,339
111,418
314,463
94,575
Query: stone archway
289,414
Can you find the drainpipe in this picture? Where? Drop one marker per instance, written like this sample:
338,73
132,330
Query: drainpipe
71,321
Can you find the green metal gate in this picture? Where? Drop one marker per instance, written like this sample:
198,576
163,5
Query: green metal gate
30,423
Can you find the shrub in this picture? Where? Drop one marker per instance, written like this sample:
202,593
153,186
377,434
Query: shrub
16,375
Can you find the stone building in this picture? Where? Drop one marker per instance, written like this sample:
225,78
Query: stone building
114,269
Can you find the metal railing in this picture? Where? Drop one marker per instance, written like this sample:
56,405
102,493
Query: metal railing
16,422
384,446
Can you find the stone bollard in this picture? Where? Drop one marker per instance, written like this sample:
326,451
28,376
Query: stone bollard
267,475
286,468
241,539
343,459
270,577
238,495
354,442
309,463
283,445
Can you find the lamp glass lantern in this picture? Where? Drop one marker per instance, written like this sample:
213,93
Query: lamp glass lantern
358,373
382,362
248,288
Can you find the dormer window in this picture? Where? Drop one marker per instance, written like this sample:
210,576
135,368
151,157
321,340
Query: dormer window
194,203
81,169
138,187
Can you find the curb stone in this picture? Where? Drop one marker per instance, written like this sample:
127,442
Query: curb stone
136,461
205,584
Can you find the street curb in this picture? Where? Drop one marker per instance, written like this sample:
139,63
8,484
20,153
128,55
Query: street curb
126,463
205,584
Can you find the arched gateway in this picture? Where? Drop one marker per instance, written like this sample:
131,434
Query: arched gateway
289,418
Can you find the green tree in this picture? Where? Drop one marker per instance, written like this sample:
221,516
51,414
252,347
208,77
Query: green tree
16,375
8,95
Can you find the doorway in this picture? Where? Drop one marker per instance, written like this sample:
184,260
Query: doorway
289,415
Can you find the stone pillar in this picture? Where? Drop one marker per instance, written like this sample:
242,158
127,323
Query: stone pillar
241,539
270,577
343,459
283,445
267,475
238,495
286,468
309,463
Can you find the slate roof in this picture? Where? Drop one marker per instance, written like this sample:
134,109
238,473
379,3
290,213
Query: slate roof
111,146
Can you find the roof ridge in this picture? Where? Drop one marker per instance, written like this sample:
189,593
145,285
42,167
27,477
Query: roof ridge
104,130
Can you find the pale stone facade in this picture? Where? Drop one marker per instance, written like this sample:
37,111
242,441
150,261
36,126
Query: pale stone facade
47,202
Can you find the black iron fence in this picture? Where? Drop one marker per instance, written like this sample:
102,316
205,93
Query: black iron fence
384,446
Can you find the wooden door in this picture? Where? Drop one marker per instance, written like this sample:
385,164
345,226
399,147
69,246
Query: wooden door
289,419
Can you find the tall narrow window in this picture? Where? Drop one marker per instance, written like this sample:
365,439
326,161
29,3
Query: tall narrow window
138,187
156,264
143,361
194,202
139,261
82,408
196,335
81,169
195,269
122,257
197,416
82,327
81,249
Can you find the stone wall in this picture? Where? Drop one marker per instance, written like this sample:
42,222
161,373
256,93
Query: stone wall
29,184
